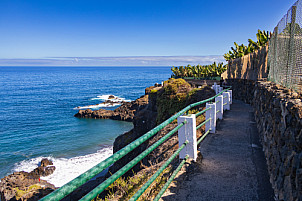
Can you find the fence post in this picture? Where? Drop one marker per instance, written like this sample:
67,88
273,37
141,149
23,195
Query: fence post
231,96
219,106
188,132
215,87
226,100
220,89
211,125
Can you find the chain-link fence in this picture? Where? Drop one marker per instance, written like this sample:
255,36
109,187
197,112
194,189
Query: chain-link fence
285,49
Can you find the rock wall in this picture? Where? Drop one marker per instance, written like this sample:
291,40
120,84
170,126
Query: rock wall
252,66
278,114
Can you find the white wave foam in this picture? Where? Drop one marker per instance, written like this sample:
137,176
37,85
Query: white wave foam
66,169
97,106
102,97
116,101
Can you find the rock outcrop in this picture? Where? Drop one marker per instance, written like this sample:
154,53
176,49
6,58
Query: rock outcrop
45,162
97,114
44,171
27,186
125,112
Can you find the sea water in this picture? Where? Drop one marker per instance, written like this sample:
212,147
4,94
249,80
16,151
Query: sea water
37,105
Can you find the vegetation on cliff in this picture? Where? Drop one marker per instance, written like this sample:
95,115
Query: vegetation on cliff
175,95
172,98
125,188
199,71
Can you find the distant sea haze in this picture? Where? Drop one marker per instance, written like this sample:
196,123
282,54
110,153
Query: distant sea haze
37,105
114,61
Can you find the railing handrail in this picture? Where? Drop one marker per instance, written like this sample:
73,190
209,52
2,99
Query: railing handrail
89,174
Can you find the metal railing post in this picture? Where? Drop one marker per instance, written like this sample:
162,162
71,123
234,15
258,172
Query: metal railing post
226,100
219,106
211,125
188,132
231,96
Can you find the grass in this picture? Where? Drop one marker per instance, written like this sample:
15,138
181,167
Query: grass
20,193
125,188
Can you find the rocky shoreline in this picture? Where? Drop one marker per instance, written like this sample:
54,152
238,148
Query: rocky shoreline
27,186
125,112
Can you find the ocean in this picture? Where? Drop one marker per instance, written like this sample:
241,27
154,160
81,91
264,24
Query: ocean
37,105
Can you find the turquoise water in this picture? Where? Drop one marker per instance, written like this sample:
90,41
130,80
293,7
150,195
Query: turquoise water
36,114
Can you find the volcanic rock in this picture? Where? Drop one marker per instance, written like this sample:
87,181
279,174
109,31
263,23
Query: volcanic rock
44,171
45,162
27,186
125,112
24,186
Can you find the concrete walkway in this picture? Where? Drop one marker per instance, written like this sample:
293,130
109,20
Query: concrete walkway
233,165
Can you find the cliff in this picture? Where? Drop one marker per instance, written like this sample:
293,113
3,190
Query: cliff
163,102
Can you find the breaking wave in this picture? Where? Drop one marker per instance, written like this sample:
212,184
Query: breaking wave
66,168
109,101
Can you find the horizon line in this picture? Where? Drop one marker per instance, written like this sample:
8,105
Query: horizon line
114,61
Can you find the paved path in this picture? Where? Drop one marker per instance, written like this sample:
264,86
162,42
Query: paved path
233,165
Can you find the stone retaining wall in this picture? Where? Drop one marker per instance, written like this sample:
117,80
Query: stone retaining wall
278,114
252,66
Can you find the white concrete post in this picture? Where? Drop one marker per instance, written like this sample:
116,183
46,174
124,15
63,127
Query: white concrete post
231,96
219,106
226,100
229,101
211,125
220,89
215,87
188,132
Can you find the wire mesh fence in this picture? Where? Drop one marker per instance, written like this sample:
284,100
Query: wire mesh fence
285,49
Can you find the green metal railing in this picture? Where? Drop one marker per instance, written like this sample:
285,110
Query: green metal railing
202,137
162,191
203,111
200,125
161,169
86,176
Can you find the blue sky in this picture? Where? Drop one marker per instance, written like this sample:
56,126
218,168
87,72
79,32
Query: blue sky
58,30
